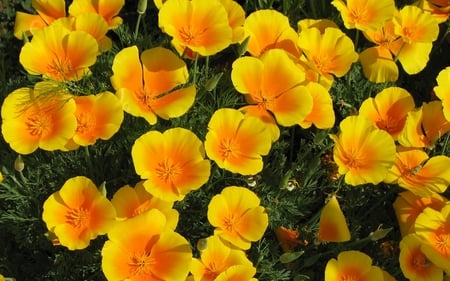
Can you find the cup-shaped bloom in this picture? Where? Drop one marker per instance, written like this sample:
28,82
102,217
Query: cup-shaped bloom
200,25
433,227
414,264
273,82
388,109
270,29
144,248
408,206
352,265
414,170
152,88
442,90
108,9
216,259
322,113
78,213
59,53
365,14
236,142
362,152
130,202
47,12
332,224
424,126
415,25
172,163
98,117
330,52
237,216
42,117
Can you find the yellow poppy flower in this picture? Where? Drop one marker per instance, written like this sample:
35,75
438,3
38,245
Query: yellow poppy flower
322,113
58,53
98,117
78,213
352,265
332,224
363,153
177,165
200,25
144,248
150,87
237,142
388,109
108,9
236,19
42,117
414,25
442,90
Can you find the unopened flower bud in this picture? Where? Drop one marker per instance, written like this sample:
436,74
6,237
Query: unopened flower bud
142,7
19,165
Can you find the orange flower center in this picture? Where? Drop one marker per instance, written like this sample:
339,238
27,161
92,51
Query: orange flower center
442,241
351,274
353,159
419,261
230,223
78,218
322,63
140,263
61,69
39,124
190,38
146,99
358,16
168,171
211,272
228,148
85,122
141,208
263,101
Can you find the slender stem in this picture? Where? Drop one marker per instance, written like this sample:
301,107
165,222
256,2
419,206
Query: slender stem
206,66
136,30
195,68
87,156
357,39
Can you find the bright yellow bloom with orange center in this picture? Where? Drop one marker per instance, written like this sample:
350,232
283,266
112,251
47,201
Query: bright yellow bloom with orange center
270,29
78,213
130,202
151,88
237,216
388,110
433,227
98,117
424,126
236,142
414,25
200,25
144,248
108,9
363,153
42,117
176,166
442,90
365,14
408,206
414,264
352,265
48,11
217,259
322,113
332,224
273,82
330,52
59,53
414,170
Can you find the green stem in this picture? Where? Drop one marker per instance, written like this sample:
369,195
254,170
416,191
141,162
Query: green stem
87,156
195,68
357,39
136,30
206,66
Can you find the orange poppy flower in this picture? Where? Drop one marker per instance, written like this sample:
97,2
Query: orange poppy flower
332,224
362,152
388,110
108,9
273,82
330,52
200,25
270,29
416,171
365,14
152,88
177,165
98,117
408,206
42,117
352,265
130,202
58,53
216,259
78,213
322,113
144,248
236,142
433,227
415,25
288,239
442,90
237,216
414,264
47,12
424,126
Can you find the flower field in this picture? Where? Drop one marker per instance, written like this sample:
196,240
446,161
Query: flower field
225,140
